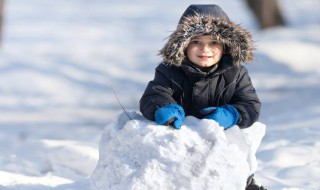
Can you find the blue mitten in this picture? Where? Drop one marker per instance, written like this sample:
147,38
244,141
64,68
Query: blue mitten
227,116
171,114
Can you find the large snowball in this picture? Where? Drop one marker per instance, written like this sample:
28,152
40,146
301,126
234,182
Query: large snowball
138,154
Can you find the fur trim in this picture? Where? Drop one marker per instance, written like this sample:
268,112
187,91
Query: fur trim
238,40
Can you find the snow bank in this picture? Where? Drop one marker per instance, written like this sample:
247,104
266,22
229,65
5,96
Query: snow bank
138,154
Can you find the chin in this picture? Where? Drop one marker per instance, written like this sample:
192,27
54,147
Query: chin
207,65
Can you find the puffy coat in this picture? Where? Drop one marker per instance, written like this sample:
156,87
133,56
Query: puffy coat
195,90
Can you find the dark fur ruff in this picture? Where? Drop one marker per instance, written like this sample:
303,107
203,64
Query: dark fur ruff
237,40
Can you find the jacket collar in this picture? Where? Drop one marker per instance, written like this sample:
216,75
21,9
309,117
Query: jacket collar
193,71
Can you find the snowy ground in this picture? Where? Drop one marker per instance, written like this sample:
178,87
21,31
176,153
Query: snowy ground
55,100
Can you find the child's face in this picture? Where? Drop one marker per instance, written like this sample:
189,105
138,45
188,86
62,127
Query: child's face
204,51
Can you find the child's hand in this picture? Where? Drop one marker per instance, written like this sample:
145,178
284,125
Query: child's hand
171,114
227,116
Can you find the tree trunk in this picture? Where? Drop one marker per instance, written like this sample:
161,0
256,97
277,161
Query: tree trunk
267,12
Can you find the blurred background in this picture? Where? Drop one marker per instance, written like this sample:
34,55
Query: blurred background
59,59
54,54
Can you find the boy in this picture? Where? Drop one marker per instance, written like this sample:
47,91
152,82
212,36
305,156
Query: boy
201,74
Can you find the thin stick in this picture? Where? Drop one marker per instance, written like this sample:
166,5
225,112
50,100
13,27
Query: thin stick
115,94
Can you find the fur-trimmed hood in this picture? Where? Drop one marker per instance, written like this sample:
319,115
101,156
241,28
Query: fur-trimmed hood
237,41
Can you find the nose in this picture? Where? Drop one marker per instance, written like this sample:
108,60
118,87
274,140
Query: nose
205,46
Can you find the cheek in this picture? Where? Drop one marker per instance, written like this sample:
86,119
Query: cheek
218,50
190,51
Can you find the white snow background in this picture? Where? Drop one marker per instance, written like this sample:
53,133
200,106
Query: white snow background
55,101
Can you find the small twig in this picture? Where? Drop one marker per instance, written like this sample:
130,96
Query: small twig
115,94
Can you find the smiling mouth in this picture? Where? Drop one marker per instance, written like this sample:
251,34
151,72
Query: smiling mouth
205,57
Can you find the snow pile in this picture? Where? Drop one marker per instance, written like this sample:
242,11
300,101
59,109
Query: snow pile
137,154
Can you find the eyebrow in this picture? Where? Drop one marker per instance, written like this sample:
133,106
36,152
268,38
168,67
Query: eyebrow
197,38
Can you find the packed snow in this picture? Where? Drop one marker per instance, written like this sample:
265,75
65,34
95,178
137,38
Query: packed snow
59,59
138,154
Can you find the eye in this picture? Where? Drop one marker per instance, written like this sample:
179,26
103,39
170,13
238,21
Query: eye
195,42
214,43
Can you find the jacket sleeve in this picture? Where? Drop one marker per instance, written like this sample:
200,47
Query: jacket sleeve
245,100
158,92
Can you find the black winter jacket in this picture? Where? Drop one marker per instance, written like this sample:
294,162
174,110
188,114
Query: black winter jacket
195,90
